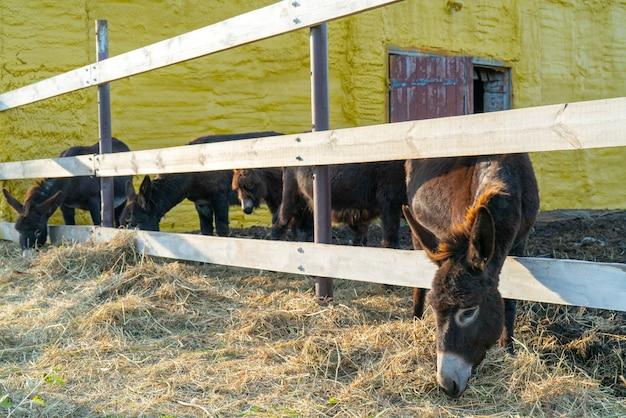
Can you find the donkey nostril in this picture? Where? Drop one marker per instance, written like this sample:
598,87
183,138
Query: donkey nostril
452,389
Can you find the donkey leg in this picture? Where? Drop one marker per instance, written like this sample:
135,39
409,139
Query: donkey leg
391,213
68,215
205,214
506,339
220,211
419,295
288,205
118,215
510,307
359,233
390,219
419,299
94,210
303,223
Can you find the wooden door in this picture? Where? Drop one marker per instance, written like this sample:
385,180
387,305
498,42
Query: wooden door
429,86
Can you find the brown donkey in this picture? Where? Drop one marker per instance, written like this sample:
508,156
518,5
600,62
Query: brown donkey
255,185
468,214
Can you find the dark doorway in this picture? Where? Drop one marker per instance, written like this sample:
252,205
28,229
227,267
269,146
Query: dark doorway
492,89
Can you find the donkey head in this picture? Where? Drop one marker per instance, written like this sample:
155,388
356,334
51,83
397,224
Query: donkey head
140,211
464,295
250,188
32,219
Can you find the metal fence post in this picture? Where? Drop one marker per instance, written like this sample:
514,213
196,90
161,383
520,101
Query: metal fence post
104,124
320,116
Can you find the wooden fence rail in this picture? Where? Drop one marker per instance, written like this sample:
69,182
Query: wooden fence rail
276,19
573,126
569,282
82,165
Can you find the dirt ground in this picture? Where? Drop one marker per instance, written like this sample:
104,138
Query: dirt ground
575,234
98,330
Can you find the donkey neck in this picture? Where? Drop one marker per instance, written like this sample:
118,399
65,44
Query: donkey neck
46,189
169,190
273,178
504,207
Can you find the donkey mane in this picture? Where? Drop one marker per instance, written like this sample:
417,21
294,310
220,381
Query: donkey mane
169,190
40,191
455,243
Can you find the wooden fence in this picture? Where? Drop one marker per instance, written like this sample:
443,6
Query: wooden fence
583,125
570,126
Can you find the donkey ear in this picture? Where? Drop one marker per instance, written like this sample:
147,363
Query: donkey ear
427,240
13,202
235,181
51,204
145,192
482,240
130,191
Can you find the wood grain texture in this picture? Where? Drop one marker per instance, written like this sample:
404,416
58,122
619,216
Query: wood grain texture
82,165
573,126
276,19
73,80
568,282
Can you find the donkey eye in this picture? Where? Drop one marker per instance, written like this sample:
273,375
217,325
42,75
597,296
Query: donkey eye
469,312
464,317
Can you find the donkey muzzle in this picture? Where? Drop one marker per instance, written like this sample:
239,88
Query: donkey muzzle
247,205
28,253
453,373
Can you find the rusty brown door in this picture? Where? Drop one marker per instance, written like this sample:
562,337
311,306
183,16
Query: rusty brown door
427,86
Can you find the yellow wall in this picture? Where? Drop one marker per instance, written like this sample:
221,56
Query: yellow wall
565,50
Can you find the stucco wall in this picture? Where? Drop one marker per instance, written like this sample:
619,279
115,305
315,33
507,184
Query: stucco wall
558,50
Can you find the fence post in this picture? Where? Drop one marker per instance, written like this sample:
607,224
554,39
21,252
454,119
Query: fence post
104,124
320,116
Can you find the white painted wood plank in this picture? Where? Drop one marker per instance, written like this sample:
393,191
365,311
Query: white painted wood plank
82,165
569,282
581,125
60,234
324,260
57,234
77,79
276,19
8,232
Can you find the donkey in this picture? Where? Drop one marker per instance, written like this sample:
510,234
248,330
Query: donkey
256,185
468,214
359,194
43,198
210,192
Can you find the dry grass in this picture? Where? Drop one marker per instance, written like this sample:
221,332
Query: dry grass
92,330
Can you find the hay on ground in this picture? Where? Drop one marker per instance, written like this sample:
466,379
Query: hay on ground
95,329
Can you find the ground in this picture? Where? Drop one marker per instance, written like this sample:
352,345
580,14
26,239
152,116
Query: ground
98,330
